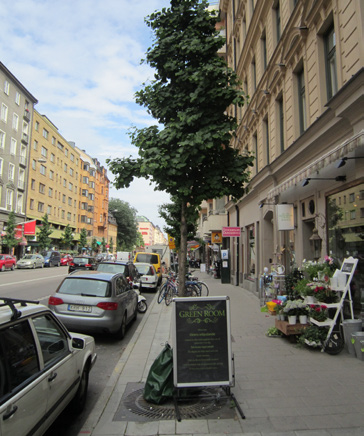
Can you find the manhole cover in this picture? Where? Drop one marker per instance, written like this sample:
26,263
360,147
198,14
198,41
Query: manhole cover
206,402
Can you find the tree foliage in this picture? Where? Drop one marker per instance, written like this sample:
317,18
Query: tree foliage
9,239
44,234
125,216
67,237
83,238
188,153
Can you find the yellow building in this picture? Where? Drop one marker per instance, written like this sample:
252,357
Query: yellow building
53,179
100,229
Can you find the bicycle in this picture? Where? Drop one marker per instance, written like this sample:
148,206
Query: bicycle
202,288
165,287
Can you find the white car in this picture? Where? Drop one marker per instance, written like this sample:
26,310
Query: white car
43,368
148,275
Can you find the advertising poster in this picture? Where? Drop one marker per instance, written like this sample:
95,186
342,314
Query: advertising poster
202,342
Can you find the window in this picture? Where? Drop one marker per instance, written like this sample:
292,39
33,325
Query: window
69,216
15,122
45,133
50,192
72,157
266,138
11,172
17,98
280,123
18,354
35,145
254,75
64,183
251,252
353,214
43,170
9,199
40,207
36,126
85,180
70,186
1,167
6,87
13,146
41,188
4,112
69,201
2,139
277,19
264,50
49,209
66,151
53,140
44,152
53,157
63,198
19,203
71,172
301,100
31,204
351,197
65,167
51,174
53,341
330,59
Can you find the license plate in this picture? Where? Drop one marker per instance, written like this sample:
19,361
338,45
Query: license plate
79,308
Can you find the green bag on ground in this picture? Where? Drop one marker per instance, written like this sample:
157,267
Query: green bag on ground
159,385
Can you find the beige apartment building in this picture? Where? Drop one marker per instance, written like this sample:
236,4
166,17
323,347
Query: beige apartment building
101,204
53,181
301,64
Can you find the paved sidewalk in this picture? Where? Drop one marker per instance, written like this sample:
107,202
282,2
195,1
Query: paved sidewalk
282,389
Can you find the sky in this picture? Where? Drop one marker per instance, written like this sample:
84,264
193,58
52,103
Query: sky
81,59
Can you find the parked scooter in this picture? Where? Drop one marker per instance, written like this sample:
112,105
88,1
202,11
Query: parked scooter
142,302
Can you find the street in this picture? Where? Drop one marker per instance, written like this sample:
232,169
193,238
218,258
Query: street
37,285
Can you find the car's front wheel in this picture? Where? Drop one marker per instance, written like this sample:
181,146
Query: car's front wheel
79,400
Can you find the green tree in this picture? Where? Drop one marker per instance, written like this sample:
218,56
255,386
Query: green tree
44,240
111,244
9,239
67,237
103,244
125,216
187,154
171,213
139,241
94,245
83,238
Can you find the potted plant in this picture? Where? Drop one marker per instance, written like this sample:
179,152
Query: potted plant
291,309
303,311
313,336
318,312
324,294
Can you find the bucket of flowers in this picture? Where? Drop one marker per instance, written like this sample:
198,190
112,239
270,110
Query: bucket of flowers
313,336
318,313
303,311
291,309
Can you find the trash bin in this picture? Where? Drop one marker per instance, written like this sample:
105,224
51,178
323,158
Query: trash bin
356,337
361,351
350,326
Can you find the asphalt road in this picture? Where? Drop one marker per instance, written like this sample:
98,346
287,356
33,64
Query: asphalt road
38,285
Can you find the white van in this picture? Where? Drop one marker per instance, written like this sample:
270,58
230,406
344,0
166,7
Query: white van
124,256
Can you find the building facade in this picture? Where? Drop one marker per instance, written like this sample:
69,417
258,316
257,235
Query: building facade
100,229
53,182
301,64
17,106
151,234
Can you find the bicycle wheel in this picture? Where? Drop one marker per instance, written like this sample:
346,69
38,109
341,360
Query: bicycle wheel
204,289
192,291
335,344
168,296
162,292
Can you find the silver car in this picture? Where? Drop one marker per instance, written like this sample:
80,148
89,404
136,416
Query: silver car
97,302
31,261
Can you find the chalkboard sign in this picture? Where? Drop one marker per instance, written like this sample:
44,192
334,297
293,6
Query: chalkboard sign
347,267
202,342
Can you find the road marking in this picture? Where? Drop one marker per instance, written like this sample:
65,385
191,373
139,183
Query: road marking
27,281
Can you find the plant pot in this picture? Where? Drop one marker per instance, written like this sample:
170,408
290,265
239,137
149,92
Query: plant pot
303,319
292,319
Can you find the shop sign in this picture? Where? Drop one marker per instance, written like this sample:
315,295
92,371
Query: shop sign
285,216
231,232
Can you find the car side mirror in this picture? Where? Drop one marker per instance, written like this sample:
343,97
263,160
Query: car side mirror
78,343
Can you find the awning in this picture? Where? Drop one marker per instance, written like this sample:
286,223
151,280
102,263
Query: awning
331,156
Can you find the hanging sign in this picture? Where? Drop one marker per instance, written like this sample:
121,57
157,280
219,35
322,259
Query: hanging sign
202,342
285,216
232,232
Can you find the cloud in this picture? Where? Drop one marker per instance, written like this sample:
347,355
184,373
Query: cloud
81,60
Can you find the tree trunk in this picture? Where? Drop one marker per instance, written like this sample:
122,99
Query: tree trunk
182,257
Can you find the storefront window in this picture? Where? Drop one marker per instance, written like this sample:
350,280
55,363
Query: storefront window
345,223
251,257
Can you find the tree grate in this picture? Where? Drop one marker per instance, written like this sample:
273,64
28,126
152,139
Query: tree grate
207,402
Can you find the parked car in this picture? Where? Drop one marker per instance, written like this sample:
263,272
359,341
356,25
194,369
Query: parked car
31,261
100,257
43,368
153,258
51,258
7,262
83,263
127,268
148,276
95,301
66,259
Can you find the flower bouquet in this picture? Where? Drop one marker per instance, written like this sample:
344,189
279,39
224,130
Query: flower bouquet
324,294
318,313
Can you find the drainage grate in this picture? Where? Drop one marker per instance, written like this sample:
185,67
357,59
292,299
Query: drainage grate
207,402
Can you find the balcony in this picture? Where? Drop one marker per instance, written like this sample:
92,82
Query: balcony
25,139
21,185
26,115
23,161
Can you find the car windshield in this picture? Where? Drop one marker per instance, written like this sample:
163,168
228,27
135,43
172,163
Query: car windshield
85,287
111,267
81,260
46,253
29,256
147,258
143,269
